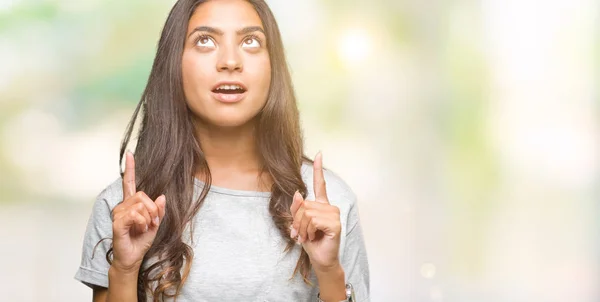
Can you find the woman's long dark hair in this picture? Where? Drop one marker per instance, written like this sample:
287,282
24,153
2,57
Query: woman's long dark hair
167,153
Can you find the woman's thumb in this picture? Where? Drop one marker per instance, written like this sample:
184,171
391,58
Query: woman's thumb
161,203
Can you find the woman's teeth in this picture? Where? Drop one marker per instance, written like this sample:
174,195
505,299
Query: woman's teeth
229,89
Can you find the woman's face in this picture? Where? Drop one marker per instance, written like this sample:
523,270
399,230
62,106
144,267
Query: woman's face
225,64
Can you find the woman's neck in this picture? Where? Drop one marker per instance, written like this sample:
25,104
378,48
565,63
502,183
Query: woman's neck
232,157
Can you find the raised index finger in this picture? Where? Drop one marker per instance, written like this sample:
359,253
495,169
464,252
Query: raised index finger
319,179
129,176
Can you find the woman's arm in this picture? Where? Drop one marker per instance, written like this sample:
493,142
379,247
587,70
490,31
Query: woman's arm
100,294
332,284
122,287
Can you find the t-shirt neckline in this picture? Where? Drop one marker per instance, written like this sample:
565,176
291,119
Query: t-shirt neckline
221,190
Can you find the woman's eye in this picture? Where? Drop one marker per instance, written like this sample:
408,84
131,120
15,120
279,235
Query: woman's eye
205,42
251,43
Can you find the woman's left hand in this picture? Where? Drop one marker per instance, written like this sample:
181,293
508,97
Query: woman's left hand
317,223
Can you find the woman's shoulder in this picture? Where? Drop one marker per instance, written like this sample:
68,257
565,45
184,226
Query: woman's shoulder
112,194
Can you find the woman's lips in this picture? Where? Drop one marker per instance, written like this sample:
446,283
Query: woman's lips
229,97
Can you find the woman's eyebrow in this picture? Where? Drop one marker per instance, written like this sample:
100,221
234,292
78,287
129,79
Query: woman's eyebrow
216,31
249,29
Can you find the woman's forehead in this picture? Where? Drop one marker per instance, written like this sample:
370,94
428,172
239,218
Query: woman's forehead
225,15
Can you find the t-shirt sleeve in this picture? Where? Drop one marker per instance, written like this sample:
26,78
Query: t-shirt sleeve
93,270
354,259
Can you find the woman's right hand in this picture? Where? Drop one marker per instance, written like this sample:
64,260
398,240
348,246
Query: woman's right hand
135,222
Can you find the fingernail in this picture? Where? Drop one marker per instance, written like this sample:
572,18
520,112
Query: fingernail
293,232
146,230
299,238
161,197
156,221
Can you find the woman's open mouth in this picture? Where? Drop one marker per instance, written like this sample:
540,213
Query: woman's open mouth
229,93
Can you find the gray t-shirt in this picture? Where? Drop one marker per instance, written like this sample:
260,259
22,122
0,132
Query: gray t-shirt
238,252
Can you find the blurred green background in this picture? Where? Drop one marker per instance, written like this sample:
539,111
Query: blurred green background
468,129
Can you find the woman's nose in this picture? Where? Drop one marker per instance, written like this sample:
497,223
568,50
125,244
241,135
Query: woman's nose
230,59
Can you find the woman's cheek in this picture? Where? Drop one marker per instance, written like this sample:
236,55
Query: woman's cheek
264,75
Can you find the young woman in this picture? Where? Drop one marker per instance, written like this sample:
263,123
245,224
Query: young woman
221,204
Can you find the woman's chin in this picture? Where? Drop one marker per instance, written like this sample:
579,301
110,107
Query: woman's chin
226,117
229,121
